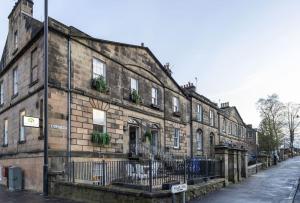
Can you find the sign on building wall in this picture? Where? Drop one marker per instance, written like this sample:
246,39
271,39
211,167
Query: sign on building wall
31,122
179,188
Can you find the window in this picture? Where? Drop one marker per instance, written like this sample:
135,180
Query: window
22,128
175,104
16,39
99,68
211,118
199,140
34,66
1,93
5,133
15,81
230,128
134,85
154,96
199,112
99,121
177,138
224,125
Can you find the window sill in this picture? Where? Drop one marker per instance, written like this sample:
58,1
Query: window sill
22,142
5,145
177,148
14,96
15,51
155,106
177,114
33,83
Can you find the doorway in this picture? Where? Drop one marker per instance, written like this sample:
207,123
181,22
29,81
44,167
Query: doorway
154,142
133,140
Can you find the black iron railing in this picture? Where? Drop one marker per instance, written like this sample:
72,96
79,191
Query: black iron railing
147,175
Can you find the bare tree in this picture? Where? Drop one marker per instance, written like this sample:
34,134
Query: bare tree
271,126
292,119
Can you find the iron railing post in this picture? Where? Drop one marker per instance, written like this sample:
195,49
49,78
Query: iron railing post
73,171
103,172
206,172
184,165
150,175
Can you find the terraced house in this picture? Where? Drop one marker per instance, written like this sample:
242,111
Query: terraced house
107,100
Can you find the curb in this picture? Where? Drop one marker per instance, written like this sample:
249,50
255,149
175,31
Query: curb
296,192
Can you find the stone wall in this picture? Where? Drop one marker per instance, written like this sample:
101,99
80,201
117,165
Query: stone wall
253,169
90,193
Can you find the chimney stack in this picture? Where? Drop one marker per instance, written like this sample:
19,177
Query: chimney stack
190,87
22,6
225,105
168,69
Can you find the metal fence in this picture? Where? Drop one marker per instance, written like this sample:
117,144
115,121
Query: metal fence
147,175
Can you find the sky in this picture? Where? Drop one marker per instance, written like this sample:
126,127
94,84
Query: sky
239,50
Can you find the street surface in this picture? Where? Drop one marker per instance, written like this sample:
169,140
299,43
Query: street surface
274,185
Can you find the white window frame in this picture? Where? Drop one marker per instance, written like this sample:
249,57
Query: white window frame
99,68
176,138
134,85
5,132
1,93
199,112
154,96
211,118
21,126
15,81
97,112
176,104
199,140
224,126
16,39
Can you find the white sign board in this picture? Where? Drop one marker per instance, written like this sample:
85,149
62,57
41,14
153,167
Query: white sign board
31,122
179,188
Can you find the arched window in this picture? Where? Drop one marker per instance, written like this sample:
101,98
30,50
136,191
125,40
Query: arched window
199,140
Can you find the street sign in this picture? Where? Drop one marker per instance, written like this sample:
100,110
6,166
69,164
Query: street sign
31,122
179,188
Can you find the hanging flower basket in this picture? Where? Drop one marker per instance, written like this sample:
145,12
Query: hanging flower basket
100,84
100,138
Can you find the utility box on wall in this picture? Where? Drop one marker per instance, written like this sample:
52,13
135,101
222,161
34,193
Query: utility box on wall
15,178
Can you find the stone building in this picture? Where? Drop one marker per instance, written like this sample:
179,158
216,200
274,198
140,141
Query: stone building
118,91
252,140
232,128
138,95
204,123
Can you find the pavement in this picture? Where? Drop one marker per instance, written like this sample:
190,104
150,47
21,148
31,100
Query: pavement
278,184
28,197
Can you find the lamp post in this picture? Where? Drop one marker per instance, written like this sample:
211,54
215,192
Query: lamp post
45,167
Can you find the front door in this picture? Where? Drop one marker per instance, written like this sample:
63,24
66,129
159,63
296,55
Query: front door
133,138
154,141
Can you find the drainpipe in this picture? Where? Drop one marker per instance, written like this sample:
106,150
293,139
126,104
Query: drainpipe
45,167
69,108
191,126
164,100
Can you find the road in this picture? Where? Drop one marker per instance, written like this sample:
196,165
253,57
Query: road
274,185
